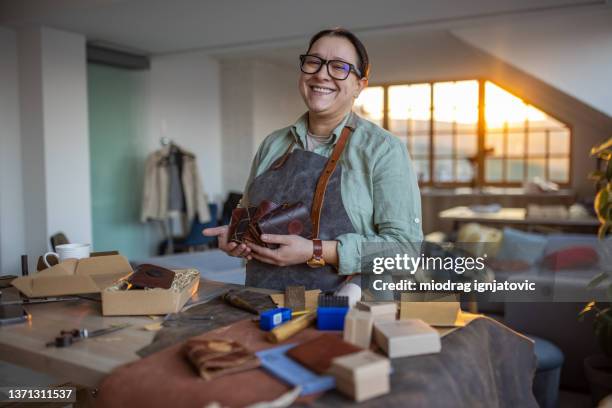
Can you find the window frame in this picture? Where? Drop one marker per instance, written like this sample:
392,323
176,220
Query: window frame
481,132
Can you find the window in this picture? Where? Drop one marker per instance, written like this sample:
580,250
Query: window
454,139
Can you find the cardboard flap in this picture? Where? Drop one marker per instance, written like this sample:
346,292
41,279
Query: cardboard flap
67,267
72,277
24,285
103,281
110,264
57,286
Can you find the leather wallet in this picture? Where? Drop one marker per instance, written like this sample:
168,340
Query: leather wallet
239,223
148,276
248,224
317,354
214,358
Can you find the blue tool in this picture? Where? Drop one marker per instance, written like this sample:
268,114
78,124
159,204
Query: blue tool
274,317
331,318
280,365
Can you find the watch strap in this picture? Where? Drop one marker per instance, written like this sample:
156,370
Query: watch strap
317,249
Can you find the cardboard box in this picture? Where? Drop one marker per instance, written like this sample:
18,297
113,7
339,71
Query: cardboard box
75,276
361,375
117,302
403,338
441,311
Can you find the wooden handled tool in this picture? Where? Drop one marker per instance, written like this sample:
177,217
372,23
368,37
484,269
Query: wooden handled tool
284,331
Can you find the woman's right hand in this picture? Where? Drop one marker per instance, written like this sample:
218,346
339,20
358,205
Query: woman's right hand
230,248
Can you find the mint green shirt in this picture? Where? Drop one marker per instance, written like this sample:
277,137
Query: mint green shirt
379,186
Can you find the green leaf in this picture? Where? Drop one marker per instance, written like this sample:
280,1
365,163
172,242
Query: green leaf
586,309
601,203
596,175
603,230
605,145
600,277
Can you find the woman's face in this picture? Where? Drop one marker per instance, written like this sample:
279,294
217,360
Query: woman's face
327,96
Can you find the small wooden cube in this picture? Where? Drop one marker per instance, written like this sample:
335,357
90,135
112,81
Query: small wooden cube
358,326
403,338
295,298
380,310
443,311
361,375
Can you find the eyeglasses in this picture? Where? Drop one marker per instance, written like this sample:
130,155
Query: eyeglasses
337,69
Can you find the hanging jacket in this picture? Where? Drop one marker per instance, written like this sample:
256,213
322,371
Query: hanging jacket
155,195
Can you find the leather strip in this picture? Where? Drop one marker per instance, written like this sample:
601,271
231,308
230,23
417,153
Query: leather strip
330,166
281,160
317,249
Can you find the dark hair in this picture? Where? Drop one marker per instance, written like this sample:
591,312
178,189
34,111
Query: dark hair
362,54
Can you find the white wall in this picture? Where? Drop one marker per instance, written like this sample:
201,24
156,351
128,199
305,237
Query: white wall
54,137
257,98
185,94
422,56
12,242
276,100
66,134
237,122
572,52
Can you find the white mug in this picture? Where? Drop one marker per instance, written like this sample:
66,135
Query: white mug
66,251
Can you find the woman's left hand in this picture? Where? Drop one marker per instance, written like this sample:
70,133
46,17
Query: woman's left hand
293,250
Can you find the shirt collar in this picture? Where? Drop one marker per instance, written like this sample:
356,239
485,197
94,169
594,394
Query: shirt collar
300,127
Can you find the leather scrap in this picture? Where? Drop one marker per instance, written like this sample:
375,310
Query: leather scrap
216,357
224,314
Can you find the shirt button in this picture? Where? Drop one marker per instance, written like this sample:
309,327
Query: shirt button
417,220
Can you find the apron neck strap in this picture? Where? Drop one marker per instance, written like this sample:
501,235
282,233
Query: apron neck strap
330,166
281,160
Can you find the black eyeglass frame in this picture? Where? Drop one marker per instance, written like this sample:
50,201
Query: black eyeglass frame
352,68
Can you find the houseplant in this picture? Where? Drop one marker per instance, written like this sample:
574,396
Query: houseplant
599,367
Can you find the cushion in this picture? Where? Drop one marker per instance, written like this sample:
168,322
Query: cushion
520,245
557,242
548,355
478,239
571,258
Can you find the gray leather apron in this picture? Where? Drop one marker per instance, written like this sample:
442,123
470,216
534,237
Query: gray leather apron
296,181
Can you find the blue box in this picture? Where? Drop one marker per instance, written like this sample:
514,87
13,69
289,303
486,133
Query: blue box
274,317
331,318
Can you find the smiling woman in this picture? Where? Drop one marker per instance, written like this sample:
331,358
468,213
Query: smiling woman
356,178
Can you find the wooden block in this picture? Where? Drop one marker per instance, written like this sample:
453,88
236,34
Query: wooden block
403,338
295,298
362,375
312,297
444,312
358,326
380,310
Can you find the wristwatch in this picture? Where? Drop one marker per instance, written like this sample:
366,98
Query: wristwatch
317,260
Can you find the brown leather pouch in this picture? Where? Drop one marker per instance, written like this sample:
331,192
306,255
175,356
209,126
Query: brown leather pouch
148,276
239,224
317,354
286,220
214,358
248,224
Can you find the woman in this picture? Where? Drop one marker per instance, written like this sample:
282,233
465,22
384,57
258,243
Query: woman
372,196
